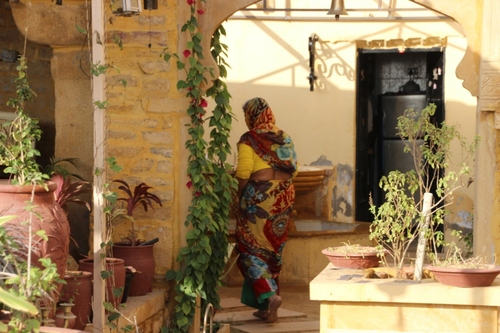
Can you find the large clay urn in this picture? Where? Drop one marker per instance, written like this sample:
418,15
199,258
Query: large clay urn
46,215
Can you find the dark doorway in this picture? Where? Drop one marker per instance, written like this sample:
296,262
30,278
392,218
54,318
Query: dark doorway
389,82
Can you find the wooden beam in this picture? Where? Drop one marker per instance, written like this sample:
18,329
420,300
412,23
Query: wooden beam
98,94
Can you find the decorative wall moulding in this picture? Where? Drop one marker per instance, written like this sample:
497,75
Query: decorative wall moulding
395,42
399,42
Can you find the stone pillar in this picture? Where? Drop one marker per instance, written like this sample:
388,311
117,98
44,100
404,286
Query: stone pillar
486,221
74,111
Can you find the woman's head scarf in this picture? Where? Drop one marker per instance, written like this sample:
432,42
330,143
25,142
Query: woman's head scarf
273,145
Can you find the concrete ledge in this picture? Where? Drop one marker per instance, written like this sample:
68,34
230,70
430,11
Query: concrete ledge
351,303
141,310
334,284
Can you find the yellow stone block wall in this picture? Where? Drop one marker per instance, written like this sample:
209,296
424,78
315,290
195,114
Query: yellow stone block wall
144,120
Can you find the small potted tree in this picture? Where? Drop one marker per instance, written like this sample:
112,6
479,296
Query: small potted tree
134,251
415,200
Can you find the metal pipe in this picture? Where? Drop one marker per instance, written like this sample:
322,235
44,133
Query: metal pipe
209,314
325,10
343,19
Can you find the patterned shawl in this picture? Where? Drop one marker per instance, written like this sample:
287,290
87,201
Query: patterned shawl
273,145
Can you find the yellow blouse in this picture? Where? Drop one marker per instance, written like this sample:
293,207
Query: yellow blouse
249,162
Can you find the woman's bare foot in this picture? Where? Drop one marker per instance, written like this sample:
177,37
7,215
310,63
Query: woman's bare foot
261,314
274,304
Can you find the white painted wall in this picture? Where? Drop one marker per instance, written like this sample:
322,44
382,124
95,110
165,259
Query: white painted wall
270,59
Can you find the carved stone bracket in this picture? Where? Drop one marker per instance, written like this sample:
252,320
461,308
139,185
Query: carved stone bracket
48,24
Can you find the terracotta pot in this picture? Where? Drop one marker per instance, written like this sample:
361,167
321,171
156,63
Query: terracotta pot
465,277
353,260
142,259
78,290
117,280
48,216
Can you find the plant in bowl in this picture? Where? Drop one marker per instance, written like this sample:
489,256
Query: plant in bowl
354,256
456,269
415,200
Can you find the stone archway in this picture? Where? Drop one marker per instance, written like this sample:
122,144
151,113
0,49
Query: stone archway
480,72
466,13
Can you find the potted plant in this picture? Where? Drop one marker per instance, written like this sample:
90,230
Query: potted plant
353,256
27,183
78,287
459,270
134,251
415,200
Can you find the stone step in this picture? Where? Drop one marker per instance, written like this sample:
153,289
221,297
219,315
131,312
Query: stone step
287,327
231,304
247,316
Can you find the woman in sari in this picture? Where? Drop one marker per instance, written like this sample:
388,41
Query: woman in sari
266,165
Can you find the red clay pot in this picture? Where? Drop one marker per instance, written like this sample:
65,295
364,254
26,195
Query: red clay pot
142,259
117,280
47,215
353,260
78,290
465,277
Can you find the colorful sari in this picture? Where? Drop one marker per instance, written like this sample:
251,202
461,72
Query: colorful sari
265,207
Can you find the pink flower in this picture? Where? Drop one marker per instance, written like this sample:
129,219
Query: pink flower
186,53
203,103
189,184
191,2
200,11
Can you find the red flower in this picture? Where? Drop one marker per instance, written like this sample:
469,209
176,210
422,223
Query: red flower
191,2
203,103
186,53
189,184
200,11
197,194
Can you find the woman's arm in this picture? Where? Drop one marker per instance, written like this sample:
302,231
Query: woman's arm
244,168
241,186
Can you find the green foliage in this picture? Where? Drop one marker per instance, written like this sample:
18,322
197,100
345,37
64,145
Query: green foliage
454,258
400,219
23,285
202,260
17,137
140,196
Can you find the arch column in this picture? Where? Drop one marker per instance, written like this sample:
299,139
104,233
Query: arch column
48,24
480,70
487,205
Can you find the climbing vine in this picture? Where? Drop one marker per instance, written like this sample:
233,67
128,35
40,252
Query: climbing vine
218,150
203,258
